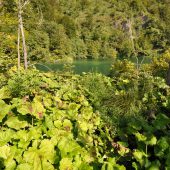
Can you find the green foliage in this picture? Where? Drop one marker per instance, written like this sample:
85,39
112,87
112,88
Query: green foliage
97,86
38,43
46,125
149,147
136,93
121,67
64,121
23,83
53,121
80,29
160,64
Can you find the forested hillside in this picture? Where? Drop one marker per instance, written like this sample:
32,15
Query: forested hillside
60,120
86,28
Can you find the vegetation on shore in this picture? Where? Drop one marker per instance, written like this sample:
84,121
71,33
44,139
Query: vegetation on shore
91,121
61,120
84,29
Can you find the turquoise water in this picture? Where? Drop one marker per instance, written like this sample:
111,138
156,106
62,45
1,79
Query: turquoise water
80,66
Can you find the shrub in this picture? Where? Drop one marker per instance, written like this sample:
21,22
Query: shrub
97,86
24,82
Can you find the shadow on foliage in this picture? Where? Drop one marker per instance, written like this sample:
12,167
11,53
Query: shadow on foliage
2,166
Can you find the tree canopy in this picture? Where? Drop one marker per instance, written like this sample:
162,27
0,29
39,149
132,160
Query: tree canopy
86,29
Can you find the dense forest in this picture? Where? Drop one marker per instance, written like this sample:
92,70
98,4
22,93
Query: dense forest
86,28
60,120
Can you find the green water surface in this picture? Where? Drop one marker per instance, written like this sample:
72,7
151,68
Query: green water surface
80,66
85,65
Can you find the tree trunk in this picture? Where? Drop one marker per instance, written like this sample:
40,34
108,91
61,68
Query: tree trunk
18,46
130,25
168,76
23,35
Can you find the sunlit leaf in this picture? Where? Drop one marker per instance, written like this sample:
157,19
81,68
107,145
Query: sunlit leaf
140,137
139,156
151,141
66,163
16,123
24,166
5,136
47,151
67,125
4,152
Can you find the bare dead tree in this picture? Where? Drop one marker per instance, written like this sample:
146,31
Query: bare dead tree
21,5
41,17
131,34
168,75
18,47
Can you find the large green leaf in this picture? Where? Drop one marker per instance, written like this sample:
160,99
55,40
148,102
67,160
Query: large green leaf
111,165
25,108
152,140
68,146
24,166
58,123
140,136
67,125
83,166
139,156
5,152
162,146
4,109
161,121
47,102
87,112
5,136
47,151
38,108
85,126
38,158
32,157
66,163
16,123
18,152
155,165
4,93
35,132
23,137
47,165
10,164
35,108
73,110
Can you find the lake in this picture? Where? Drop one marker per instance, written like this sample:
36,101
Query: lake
87,65
80,66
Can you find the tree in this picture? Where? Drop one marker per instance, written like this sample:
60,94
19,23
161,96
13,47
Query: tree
83,29
21,5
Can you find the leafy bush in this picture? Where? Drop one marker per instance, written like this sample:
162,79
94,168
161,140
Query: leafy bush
160,65
145,144
97,86
53,129
53,123
120,67
38,46
136,93
23,83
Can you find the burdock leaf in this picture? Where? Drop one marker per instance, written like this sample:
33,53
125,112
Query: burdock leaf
24,166
4,109
66,163
15,123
